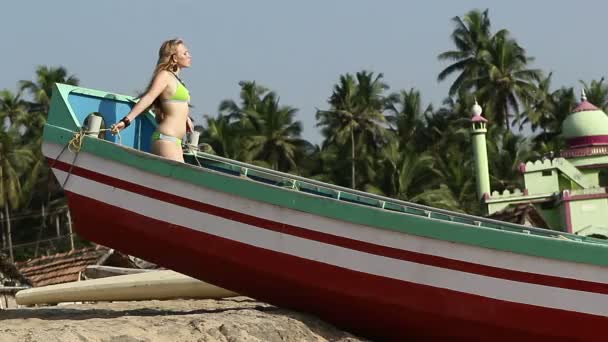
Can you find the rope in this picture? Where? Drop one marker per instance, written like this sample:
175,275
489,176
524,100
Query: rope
75,143
194,154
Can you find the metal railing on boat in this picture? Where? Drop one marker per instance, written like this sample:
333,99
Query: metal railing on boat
314,187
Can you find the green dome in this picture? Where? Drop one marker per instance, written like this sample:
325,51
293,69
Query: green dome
585,123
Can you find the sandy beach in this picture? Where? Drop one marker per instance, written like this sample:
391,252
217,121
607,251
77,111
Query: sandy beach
230,319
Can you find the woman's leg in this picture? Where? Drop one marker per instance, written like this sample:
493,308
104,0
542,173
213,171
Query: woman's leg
168,149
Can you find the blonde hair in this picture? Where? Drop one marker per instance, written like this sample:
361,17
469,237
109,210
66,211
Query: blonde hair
165,62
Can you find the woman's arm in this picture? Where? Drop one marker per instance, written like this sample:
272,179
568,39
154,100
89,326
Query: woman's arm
189,124
159,83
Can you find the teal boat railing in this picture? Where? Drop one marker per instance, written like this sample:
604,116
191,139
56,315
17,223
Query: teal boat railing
314,187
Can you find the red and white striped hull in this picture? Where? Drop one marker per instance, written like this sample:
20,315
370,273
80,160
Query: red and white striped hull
381,284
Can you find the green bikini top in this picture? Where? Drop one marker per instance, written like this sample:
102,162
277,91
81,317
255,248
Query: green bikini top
181,92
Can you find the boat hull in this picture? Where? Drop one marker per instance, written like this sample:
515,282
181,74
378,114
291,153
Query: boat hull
358,278
378,307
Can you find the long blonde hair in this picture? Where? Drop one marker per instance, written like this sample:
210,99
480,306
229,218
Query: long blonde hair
165,62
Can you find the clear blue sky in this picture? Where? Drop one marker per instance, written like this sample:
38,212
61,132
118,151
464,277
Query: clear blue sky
297,48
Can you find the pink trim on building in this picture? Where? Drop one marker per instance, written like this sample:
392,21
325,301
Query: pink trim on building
584,197
593,166
522,167
478,118
588,141
568,217
567,198
584,106
566,204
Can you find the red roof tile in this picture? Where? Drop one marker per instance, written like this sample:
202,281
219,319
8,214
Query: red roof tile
67,267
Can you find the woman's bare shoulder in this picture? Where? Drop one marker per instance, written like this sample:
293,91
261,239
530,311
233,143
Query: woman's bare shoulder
164,74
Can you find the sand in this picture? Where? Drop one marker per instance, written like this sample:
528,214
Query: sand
230,319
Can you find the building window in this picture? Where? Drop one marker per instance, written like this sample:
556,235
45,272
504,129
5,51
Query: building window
603,177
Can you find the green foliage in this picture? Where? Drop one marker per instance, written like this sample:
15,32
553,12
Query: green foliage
259,130
41,88
597,93
494,67
471,36
506,151
25,179
356,119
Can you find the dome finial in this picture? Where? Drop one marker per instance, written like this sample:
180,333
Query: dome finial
583,95
477,110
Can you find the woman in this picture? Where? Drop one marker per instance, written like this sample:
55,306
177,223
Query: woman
168,96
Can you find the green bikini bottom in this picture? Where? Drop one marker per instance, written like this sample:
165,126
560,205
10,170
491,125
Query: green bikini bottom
159,136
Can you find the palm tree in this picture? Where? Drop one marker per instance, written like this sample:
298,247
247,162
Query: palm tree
223,136
325,164
539,113
251,94
30,125
505,81
550,140
258,130
565,101
12,107
277,135
450,125
41,88
506,151
407,118
403,172
355,114
456,184
471,38
14,159
495,66
448,139
597,93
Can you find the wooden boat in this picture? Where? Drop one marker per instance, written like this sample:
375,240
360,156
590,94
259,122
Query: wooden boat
165,284
378,267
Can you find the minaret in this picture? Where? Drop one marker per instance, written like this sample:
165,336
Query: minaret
478,129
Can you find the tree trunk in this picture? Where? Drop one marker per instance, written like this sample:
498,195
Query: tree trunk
8,230
352,145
